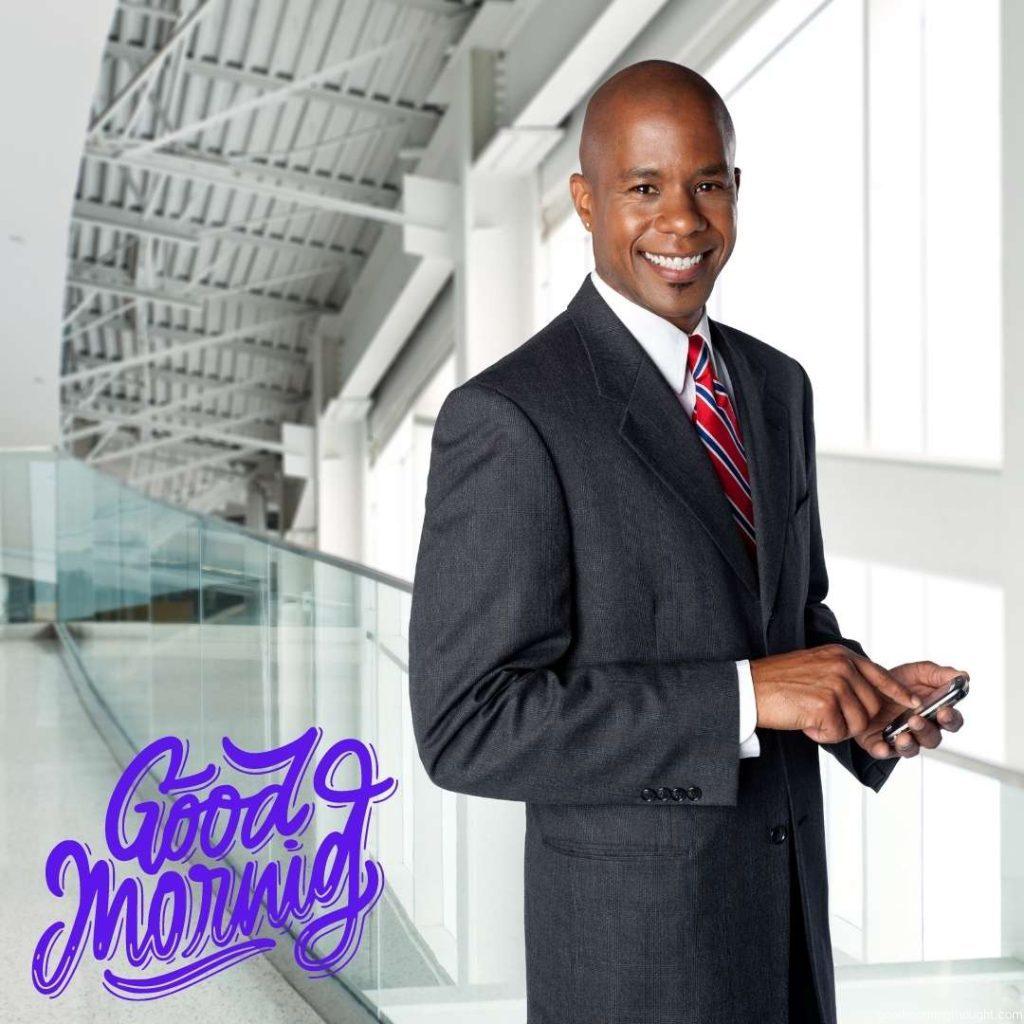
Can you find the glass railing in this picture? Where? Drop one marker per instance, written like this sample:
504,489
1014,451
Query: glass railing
185,625
181,624
28,570
190,626
926,890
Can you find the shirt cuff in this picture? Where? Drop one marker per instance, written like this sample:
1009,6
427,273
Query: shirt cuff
750,745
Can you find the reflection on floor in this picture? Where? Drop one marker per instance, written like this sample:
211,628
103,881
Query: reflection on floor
936,991
55,778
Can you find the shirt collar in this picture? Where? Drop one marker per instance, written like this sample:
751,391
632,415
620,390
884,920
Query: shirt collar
665,343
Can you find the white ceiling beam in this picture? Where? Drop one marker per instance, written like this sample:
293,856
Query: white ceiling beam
173,231
270,97
143,81
273,404
174,435
449,8
255,287
114,367
207,433
180,335
111,281
149,12
213,169
393,110
214,495
185,451
127,415
278,183
194,385
383,106
191,466
142,413
192,297
115,218
98,321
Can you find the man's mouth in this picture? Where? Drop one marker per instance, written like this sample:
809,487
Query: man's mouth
673,262
676,268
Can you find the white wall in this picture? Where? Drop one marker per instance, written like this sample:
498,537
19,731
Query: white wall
49,63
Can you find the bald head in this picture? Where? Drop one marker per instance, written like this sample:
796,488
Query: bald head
635,89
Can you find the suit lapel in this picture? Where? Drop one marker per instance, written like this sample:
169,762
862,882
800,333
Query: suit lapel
764,427
655,425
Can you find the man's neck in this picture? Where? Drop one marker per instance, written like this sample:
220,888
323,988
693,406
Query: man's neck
674,322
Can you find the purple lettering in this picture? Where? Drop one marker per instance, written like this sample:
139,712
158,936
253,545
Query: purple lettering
330,889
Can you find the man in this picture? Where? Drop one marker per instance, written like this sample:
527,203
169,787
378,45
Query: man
618,610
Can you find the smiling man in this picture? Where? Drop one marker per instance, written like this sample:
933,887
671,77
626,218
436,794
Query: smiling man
618,610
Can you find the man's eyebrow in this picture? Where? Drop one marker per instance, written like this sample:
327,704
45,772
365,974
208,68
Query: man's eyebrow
641,172
718,168
653,172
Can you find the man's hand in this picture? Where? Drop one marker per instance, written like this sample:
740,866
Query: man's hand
927,680
829,692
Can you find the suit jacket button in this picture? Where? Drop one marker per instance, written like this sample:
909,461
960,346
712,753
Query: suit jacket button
664,793
778,833
693,792
647,793
678,793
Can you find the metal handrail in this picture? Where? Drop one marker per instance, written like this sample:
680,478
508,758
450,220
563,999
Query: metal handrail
999,772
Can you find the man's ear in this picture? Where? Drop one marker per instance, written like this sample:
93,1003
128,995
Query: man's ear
579,189
736,175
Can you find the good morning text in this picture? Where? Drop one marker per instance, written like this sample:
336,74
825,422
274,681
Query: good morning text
197,880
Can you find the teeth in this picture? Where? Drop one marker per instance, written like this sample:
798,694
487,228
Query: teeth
675,262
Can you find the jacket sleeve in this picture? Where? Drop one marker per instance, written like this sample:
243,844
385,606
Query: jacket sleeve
496,712
820,622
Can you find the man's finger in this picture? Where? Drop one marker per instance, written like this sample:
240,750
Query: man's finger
878,748
945,674
907,745
925,732
885,681
950,719
867,694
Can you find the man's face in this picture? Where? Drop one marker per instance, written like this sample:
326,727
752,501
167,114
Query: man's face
663,188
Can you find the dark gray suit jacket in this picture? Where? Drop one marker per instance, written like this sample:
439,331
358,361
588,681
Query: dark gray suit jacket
581,597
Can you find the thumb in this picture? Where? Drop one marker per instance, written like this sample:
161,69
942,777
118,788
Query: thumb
941,675
929,673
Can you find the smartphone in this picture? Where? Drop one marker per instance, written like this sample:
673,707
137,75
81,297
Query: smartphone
958,687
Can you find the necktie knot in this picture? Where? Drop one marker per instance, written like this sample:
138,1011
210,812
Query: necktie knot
698,358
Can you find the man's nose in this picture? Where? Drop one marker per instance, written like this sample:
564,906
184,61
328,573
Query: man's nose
679,214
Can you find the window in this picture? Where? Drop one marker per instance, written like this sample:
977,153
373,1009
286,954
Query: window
869,230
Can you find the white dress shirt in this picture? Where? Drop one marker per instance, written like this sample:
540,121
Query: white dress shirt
668,347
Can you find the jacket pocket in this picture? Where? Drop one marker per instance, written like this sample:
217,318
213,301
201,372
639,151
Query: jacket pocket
614,851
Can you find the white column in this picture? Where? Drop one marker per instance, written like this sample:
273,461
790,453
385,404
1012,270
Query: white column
255,506
49,60
342,445
494,277
1012,100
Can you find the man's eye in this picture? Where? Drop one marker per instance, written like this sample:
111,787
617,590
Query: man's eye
711,184
643,184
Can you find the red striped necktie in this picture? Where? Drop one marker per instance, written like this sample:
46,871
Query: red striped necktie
718,427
